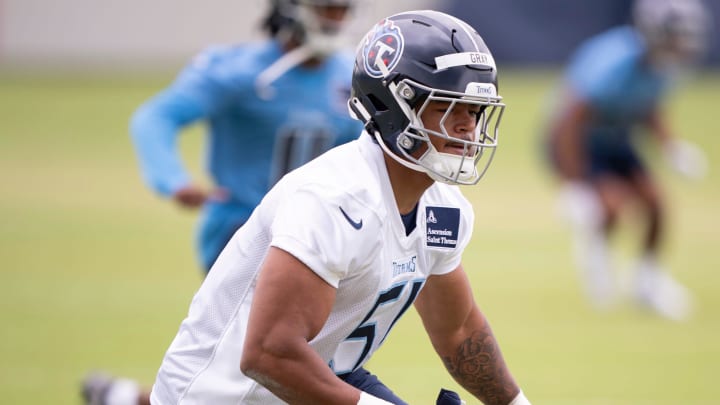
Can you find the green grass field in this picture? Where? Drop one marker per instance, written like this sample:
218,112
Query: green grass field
96,272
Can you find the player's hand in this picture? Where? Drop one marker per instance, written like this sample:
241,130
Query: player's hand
447,397
686,159
193,196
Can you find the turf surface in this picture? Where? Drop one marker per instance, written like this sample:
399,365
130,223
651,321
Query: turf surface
96,272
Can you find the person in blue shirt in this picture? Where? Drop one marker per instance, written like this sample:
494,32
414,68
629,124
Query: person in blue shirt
613,88
269,107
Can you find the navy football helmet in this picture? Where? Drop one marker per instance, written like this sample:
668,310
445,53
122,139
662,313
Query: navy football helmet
410,59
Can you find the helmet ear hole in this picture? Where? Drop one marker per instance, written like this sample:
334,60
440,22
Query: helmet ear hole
378,105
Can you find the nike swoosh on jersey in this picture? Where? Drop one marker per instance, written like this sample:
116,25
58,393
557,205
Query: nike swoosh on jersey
355,224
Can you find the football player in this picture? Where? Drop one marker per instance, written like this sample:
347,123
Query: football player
614,88
268,106
311,285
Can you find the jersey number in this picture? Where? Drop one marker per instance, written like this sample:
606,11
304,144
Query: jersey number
296,146
367,332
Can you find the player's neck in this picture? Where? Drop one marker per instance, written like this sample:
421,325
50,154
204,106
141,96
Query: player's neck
408,185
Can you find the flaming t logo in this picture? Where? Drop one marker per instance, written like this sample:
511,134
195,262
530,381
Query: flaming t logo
383,48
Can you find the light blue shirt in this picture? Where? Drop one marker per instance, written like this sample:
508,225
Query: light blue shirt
252,141
609,72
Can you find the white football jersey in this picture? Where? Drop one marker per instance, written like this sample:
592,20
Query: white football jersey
336,214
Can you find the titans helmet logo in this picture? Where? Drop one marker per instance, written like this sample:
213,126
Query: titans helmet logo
384,43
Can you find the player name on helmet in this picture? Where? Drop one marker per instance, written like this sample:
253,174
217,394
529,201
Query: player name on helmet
464,59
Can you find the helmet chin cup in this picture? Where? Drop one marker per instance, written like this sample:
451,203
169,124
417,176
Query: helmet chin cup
448,168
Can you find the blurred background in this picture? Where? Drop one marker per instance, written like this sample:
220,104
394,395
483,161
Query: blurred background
526,32
138,35
97,272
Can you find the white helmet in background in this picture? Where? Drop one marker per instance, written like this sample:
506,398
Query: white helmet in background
317,24
676,31
313,28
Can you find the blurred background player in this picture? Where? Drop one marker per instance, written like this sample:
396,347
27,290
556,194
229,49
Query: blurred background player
613,88
269,107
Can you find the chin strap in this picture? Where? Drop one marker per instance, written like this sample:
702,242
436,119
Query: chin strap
393,155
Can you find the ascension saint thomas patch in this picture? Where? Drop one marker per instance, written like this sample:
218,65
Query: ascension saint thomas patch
441,227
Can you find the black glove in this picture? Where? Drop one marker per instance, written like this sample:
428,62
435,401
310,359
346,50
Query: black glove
447,397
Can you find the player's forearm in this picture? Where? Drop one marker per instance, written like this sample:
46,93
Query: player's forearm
569,133
154,138
299,378
477,364
570,162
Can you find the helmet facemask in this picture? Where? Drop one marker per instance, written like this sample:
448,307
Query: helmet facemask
464,168
323,34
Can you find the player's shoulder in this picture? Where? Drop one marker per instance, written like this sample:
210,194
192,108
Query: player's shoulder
449,196
343,58
341,168
342,176
603,60
233,60
619,34
614,44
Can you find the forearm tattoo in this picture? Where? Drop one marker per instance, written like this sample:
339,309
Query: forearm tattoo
479,367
